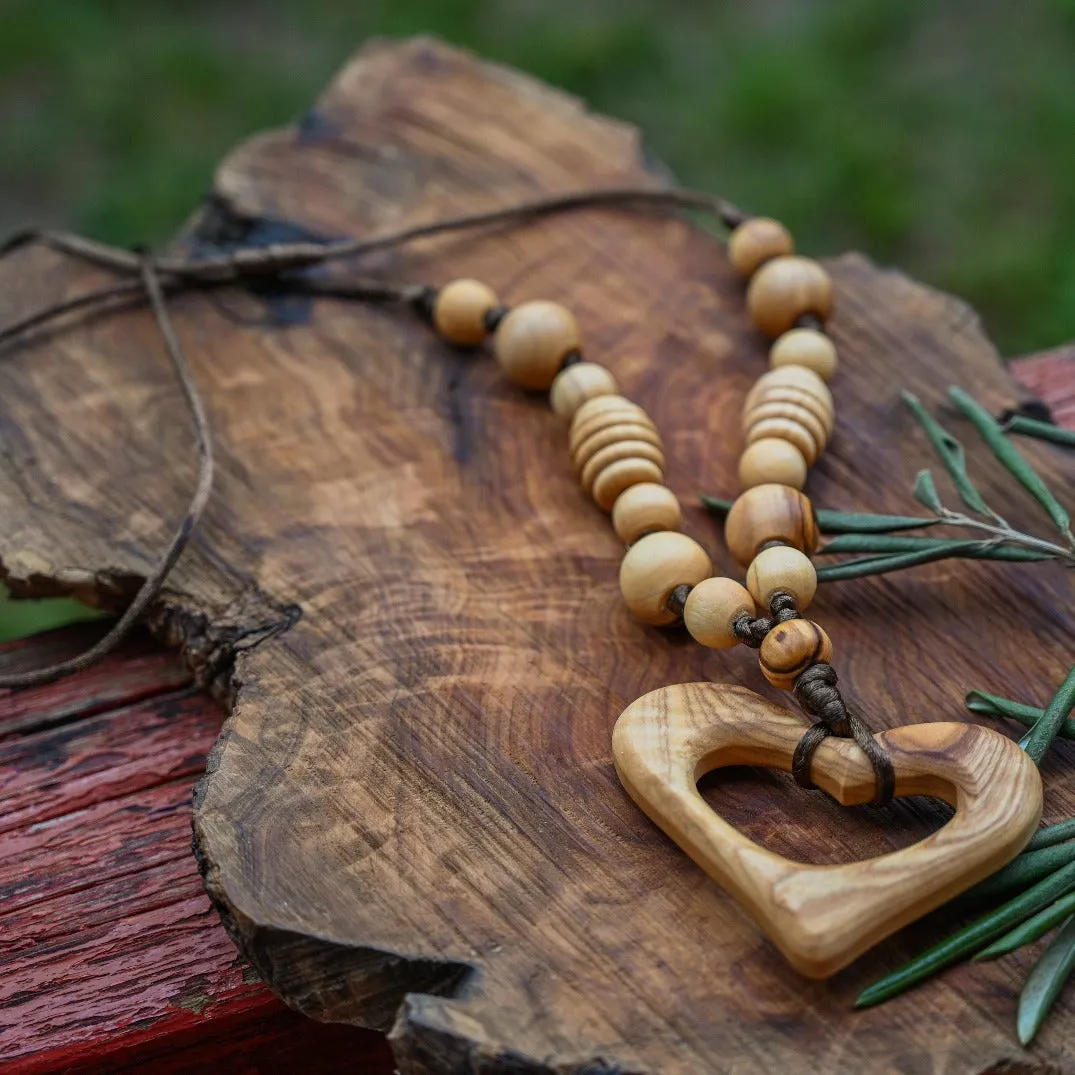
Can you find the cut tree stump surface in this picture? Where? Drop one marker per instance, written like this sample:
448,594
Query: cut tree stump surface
411,820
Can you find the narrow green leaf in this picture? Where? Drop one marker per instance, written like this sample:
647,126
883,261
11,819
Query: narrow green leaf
1011,458
1031,427
925,491
1044,982
952,455
893,543
843,522
1052,834
880,565
1037,741
991,705
1023,871
1031,930
972,938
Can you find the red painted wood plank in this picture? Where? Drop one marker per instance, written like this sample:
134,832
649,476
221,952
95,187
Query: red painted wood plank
1050,375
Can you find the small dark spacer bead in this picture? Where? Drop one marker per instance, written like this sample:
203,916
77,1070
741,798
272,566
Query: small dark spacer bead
810,321
771,545
495,316
424,302
570,359
677,599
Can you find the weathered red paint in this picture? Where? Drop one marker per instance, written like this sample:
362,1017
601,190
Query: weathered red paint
111,957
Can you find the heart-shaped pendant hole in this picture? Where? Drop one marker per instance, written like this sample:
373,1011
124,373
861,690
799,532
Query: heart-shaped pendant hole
811,827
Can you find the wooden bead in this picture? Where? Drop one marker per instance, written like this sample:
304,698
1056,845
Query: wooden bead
711,609
603,411
793,397
533,340
796,378
622,475
654,566
769,513
786,429
784,289
757,240
644,508
781,569
613,453
772,460
613,434
459,311
577,383
790,648
805,347
792,412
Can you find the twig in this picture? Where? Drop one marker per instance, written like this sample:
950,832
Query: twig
155,580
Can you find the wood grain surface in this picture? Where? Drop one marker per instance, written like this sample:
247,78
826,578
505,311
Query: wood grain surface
823,917
412,820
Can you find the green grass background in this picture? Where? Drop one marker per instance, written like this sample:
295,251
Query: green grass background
939,136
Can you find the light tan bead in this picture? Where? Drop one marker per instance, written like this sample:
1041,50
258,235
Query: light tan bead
578,383
772,460
533,340
769,513
784,289
613,434
785,429
782,569
790,648
794,378
792,412
805,347
622,475
794,397
459,311
613,453
603,411
643,508
711,609
653,567
756,241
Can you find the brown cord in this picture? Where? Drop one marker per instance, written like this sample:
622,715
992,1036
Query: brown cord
156,578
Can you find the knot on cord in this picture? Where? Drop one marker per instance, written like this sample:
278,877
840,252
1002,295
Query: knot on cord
751,631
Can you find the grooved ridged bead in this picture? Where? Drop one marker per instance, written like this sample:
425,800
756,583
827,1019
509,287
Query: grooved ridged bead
792,412
644,508
603,411
782,569
784,289
790,648
772,460
613,434
653,567
785,429
770,513
711,609
756,241
459,311
790,379
805,347
533,340
613,453
621,475
575,384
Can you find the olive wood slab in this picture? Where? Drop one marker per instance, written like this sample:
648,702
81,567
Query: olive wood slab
412,819
823,917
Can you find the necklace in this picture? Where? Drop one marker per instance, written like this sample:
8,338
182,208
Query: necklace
821,917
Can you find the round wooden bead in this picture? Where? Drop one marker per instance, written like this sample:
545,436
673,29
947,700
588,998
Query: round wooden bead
792,412
782,569
790,648
644,508
654,566
805,347
770,513
711,609
533,340
756,241
772,460
577,383
613,434
613,453
786,429
459,311
622,475
784,289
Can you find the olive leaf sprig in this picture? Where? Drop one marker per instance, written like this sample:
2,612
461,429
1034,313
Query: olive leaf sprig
877,541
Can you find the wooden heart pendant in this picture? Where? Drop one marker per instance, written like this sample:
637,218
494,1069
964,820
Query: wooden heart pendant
823,917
